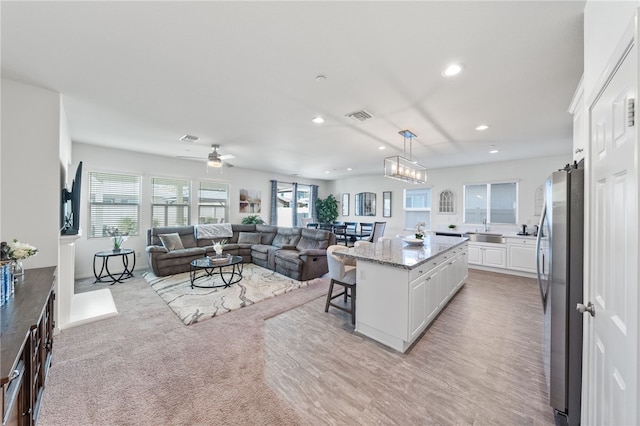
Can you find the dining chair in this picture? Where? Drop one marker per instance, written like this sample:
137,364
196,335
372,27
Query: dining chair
341,233
378,231
342,272
352,227
366,228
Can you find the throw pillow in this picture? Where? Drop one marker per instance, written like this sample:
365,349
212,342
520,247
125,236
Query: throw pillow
171,241
249,238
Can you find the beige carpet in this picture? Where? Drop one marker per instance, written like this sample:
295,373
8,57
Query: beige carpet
194,305
144,367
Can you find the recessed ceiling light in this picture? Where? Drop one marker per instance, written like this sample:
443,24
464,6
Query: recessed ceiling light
318,120
493,151
451,70
327,172
320,78
382,147
482,127
349,168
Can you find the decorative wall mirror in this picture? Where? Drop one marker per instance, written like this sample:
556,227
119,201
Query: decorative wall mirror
345,204
386,204
446,202
365,204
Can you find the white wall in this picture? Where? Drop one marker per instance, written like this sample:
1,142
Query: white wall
604,23
529,174
100,159
30,184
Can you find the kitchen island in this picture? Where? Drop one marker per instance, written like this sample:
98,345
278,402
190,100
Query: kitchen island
401,288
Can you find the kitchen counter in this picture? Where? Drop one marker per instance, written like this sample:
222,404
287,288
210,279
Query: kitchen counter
395,252
402,288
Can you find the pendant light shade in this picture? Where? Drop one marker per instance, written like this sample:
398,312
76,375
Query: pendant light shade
401,168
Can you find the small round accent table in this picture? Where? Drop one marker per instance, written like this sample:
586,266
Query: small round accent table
118,277
209,265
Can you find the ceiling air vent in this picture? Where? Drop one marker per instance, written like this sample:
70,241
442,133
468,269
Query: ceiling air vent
189,138
361,115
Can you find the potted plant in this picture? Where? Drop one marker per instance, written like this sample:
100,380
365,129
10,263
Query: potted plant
327,209
253,219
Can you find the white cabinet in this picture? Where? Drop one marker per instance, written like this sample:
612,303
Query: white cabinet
395,305
418,307
488,254
521,254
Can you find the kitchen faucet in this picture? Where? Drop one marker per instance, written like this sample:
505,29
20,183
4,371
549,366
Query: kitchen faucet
484,223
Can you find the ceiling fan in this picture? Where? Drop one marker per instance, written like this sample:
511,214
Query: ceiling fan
214,159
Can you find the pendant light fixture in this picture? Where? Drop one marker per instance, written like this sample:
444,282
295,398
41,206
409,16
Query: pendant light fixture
400,168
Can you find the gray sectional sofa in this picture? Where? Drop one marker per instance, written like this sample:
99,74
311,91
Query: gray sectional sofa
299,253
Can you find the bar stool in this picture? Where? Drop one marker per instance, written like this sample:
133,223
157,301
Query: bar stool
342,272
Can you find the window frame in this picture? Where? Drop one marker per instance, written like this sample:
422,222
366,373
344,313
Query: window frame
199,204
405,209
169,181
92,216
488,203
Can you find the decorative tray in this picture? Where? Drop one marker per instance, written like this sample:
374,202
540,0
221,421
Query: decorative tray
219,260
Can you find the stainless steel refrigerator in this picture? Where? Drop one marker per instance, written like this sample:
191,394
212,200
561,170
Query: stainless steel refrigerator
560,277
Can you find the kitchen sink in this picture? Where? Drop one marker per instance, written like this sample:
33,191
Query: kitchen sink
484,237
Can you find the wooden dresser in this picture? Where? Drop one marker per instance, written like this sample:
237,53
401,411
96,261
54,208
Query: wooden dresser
26,343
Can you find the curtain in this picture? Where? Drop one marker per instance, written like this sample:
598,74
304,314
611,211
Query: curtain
312,202
294,204
273,213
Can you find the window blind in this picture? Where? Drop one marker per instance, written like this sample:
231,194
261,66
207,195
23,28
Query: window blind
114,203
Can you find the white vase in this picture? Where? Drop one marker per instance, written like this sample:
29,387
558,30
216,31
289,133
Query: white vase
218,252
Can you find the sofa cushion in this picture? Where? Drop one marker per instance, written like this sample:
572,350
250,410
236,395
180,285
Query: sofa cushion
313,239
171,241
249,238
286,237
268,233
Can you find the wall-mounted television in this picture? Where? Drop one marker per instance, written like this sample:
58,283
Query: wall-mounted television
70,206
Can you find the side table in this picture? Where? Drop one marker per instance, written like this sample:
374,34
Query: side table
104,270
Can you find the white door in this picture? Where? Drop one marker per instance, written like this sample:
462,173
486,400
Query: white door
610,379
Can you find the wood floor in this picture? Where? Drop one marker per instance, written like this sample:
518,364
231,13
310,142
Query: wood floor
479,363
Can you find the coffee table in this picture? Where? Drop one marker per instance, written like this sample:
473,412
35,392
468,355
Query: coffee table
209,265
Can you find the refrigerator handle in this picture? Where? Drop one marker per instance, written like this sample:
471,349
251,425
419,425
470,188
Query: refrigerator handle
540,257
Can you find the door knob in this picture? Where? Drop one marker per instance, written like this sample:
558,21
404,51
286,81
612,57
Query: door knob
589,308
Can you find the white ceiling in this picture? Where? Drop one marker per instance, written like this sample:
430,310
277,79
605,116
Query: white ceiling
139,75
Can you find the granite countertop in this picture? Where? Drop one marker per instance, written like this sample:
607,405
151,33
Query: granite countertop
395,252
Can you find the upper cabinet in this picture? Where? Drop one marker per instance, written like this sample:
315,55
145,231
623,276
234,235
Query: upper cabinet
579,112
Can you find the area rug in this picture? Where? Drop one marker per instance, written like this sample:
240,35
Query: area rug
194,305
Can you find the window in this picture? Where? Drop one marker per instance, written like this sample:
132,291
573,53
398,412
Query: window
304,198
213,202
493,202
114,203
170,202
417,207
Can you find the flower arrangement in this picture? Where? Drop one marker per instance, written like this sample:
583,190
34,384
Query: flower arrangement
219,246
419,231
20,251
117,237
